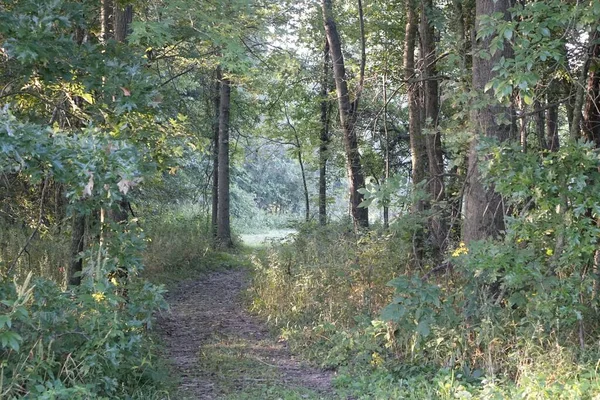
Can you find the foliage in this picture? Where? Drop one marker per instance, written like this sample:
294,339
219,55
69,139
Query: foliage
85,343
506,316
320,268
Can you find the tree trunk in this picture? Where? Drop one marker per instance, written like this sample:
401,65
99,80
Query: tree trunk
540,125
386,207
552,142
223,219
591,110
356,179
484,211
305,186
324,139
215,174
591,124
583,88
437,221
418,145
77,246
123,19
524,123
106,20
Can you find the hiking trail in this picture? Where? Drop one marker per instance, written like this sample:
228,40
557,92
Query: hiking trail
222,352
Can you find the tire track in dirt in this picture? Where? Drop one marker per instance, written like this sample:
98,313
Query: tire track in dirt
206,319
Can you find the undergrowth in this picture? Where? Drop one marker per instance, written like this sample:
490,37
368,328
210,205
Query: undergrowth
84,342
436,336
95,340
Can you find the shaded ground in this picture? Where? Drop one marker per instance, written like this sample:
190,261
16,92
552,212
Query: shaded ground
222,352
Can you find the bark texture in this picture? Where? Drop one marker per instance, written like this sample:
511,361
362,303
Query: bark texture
223,219
433,140
123,19
418,145
215,174
77,243
591,111
552,140
324,136
348,109
484,211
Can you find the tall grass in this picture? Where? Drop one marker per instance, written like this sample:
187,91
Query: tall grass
46,255
449,338
325,275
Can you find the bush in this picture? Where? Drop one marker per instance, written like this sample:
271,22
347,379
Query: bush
325,275
515,317
88,342
177,239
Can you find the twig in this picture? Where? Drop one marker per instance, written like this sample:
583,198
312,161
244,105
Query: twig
189,69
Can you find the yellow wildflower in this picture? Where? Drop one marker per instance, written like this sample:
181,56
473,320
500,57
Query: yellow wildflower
376,359
98,296
460,250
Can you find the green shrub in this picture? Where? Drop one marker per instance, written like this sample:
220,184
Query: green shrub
89,342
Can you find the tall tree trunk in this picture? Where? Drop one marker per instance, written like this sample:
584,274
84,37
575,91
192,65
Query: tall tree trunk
348,110
77,245
524,124
123,19
433,139
386,206
215,174
304,184
583,86
591,110
106,20
591,124
540,125
324,137
78,223
418,145
552,141
484,211
223,219
462,42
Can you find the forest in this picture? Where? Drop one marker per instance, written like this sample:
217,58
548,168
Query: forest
308,199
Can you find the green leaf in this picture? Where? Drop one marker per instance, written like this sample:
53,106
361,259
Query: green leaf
423,328
11,340
88,97
5,321
528,99
393,312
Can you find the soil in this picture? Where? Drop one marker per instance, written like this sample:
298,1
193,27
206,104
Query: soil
210,310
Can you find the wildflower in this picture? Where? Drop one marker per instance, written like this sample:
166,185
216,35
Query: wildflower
460,250
98,296
376,359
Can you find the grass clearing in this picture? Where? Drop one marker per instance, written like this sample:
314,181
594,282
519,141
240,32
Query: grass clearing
257,240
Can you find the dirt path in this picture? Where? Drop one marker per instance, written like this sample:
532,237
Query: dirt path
222,352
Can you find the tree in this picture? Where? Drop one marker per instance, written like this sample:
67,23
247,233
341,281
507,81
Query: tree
348,111
484,212
417,140
215,145
325,135
223,217
433,140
